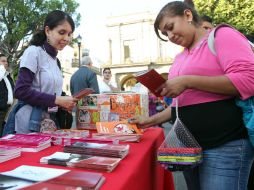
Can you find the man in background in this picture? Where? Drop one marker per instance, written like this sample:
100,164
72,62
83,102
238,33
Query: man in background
106,85
84,77
206,22
6,90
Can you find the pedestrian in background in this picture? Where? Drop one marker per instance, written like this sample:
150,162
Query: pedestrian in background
39,84
106,85
6,90
206,97
206,22
84,77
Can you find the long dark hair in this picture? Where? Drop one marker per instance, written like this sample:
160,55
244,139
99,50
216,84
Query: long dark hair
52,20
175,8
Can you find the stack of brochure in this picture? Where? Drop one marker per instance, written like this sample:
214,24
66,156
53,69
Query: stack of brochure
119,137
66,136
98,163
98,149
120,130
27,142
9,152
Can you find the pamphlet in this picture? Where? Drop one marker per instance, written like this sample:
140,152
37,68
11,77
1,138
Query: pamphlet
152,80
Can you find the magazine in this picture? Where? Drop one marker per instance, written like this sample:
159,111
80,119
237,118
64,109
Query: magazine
83,93
152,80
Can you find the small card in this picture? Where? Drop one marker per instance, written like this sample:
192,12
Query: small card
52,109
83,93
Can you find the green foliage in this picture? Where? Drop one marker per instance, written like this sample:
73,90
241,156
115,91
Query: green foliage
20,18
238,13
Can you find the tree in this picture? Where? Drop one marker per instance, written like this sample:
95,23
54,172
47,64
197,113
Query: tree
20,18
238,13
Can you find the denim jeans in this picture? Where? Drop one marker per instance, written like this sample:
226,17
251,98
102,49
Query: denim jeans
226,167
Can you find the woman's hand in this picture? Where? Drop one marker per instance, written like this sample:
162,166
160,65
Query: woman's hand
141,121
67,102
174,87
146,121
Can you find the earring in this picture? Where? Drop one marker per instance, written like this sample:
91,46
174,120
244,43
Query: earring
48,41
190,22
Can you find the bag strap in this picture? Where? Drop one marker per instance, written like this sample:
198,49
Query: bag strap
177,115
211,38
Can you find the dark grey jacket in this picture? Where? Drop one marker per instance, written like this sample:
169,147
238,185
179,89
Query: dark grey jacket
84,77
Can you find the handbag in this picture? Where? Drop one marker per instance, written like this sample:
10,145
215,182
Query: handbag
180,150
63,117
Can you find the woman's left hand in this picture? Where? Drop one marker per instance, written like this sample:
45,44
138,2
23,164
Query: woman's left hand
174,87
67,102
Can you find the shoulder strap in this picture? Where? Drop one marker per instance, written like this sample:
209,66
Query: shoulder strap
211,37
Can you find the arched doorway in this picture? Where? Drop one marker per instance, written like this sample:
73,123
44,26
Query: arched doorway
164,75
128,82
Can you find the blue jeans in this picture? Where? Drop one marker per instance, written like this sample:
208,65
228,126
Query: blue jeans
226,167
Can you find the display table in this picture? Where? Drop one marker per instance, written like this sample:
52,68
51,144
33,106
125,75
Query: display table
138,171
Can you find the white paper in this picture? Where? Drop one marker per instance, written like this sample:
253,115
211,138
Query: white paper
56,155
34,173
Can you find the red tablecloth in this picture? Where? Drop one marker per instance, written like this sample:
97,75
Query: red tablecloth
138,171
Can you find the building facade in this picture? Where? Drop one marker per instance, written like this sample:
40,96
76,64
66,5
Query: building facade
134,46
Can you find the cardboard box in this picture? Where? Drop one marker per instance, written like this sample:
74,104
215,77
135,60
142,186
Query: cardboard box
109,107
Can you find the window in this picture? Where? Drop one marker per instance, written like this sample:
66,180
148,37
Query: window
128,48
126,52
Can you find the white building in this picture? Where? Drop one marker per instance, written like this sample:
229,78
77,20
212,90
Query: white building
134,46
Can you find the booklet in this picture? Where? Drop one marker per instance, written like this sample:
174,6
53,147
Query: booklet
117,127
151,79
83,93
73,180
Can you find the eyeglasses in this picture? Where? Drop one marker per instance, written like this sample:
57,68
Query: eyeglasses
107,72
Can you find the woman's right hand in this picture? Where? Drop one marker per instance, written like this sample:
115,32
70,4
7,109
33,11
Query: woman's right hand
67,102
174,87
141,121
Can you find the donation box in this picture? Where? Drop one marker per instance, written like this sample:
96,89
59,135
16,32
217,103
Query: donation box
109,107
